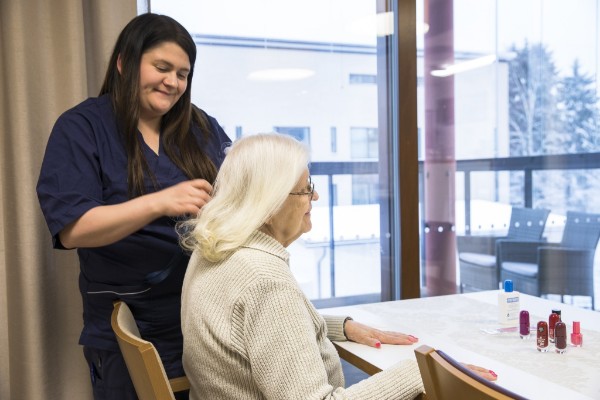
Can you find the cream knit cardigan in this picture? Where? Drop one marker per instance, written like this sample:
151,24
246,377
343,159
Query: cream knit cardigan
251,333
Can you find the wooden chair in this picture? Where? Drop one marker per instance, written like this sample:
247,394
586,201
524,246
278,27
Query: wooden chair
143,362
479,268
446,379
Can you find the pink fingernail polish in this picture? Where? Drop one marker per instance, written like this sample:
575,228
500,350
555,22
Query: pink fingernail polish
493,373
378,344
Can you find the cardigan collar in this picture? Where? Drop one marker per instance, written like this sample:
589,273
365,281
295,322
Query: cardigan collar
261,241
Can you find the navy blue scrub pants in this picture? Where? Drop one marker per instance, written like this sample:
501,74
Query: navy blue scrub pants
110,378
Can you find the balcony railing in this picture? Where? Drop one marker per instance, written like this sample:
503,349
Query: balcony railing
528,165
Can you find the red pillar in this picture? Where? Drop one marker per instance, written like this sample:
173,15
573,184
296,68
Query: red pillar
440,163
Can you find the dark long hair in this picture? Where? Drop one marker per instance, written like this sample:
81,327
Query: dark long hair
140,35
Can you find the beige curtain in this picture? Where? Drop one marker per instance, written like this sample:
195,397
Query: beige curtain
52,55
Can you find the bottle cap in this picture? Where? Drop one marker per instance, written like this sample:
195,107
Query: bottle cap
560,330
576,327
556,311
560,335
508,285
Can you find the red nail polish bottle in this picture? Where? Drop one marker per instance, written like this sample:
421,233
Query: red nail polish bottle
560,337
576,336
552,320
542,336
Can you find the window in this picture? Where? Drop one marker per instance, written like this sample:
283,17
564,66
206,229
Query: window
480,149
262,70
364,189
508,117
300,133
364,143
333,134
363,79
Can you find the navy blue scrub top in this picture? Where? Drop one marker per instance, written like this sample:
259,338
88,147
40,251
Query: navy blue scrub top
85,166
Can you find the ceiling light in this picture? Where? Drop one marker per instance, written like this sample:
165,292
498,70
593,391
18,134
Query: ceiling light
464,66
280,74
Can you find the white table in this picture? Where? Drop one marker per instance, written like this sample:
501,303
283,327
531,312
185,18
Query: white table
454,324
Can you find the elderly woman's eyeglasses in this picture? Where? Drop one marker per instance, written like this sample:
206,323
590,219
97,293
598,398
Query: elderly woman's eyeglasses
310,190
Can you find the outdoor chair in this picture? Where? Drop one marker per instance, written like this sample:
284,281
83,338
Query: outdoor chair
445,378
565,268
477,254
143,362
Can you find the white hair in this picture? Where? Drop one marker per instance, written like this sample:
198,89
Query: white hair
255,179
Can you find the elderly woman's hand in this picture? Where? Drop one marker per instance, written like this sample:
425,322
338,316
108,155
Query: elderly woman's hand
360,333
483,372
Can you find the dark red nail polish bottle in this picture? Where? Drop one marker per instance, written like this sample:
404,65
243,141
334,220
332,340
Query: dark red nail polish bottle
560,337
542,336
552,320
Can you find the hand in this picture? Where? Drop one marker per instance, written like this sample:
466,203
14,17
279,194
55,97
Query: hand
483,372
184,198
360,333
104,225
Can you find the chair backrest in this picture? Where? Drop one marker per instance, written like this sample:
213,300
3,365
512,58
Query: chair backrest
143,362
445,378
582,230
527,223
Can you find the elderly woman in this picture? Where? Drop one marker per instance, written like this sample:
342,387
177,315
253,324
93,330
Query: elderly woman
249,330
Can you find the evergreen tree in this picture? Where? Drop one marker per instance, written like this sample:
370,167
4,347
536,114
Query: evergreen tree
580,122
549,115
532,100
580,113
532,108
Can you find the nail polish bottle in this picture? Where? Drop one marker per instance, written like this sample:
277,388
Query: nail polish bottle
552,320
524,324
542,336
576,336
560,337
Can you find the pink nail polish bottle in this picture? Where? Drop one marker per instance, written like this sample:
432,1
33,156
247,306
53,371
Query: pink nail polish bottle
576,336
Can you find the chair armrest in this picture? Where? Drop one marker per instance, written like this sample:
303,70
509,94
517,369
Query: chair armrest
564,270
565,256
179,384
518,251
477,244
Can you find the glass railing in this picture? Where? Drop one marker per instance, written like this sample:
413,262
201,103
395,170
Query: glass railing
343,237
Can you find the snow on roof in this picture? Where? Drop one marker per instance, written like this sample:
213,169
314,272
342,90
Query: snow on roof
354,223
